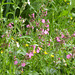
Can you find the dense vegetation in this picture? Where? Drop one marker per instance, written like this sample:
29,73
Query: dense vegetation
37,37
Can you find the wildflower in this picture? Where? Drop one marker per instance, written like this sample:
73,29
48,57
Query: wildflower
28,2
34,47
8,35
48,21
68,3
26,45
20,17
52,55
15,62
45,52
47,25
30,54
64,0
40,48
17,44
37,50
33,15
12,38
58,58
73,35
1,51
71,18
43,20
28,26
46,32
9,45
23,64
10,25
34,51
20,35
50,40
47,29
58,39
32,27
49,44
62,36
22,70
69,56
2,36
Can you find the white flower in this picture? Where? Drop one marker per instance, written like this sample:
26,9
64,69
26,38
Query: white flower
17,44
28,2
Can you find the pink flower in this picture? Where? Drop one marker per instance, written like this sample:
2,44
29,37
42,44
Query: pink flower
49,44
30,54
8,35
73,47
48,21
32,27
73,35
34,47
47,25
9,45
10,24
43,20
58,58
20,35
15,62
46,13
64,42
39,37
33,15
69,56
58,39
43,39
20,17
46,32
37,50
23,64
50,40
2,36
28,26
47,29
62,36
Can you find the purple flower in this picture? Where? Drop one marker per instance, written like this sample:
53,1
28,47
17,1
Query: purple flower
58,39
33,15
20,35
28,26
37,50
15,62
73,35
62,36
23,64
34,47
2,36
43,20
20,17
30,54
69,56
32,27
47,25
